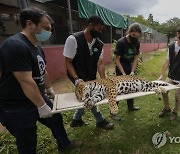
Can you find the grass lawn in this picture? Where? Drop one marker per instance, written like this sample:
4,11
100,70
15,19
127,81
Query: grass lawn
132,135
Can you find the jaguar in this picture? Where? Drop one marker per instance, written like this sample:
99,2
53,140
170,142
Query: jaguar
91,92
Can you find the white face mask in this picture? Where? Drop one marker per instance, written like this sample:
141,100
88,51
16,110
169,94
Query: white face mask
43,36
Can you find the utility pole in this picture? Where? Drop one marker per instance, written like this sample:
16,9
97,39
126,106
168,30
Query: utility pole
111,34
23,4
70,17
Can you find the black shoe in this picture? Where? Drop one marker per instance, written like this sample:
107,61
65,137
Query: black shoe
173,116
134,109
78,123
164,112
105,125
73,145
114,117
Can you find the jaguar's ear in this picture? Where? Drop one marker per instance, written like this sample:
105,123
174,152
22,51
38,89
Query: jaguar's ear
86,87
79,90
78,93
80,83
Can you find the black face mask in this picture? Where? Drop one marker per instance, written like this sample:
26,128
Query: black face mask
94,33
133,39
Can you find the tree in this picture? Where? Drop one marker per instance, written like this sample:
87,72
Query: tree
140,19
169,28
151,20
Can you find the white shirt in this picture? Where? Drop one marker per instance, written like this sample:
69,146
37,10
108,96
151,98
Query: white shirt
177,48
70,47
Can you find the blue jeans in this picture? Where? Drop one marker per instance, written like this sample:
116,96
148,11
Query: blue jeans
97,114
21,123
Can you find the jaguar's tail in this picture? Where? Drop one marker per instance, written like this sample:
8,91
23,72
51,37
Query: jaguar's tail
160,84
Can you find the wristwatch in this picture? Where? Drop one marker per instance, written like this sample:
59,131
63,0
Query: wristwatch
75,79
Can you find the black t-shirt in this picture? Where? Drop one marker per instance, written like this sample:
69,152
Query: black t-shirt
126,50
17,53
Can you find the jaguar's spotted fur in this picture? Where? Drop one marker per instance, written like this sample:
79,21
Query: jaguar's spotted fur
91,92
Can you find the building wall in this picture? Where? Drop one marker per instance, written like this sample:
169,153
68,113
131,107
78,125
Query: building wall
56,62
147,47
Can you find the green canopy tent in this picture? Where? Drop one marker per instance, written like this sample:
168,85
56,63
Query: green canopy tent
87,8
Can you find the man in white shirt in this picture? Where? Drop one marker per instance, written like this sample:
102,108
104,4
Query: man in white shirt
84,53
173,63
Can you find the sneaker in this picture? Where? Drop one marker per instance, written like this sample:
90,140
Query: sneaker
173,116
73,145
134,108
164,112
78,123
105,125
114,117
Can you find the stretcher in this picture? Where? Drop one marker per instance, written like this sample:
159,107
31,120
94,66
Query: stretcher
68,101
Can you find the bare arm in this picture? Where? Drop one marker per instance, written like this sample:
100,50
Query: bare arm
101,68
134,64
46,80
29,87
49,90
165,67
70,67
118,63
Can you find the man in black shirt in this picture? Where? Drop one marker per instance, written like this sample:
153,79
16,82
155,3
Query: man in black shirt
23,80
172,63
84,52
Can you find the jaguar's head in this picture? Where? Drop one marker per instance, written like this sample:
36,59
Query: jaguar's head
82,91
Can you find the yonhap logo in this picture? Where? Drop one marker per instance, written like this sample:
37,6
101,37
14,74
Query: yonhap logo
159,139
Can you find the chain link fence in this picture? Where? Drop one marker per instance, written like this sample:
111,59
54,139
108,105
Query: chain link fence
9,20
58,10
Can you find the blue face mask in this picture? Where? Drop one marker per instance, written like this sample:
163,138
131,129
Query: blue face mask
43,36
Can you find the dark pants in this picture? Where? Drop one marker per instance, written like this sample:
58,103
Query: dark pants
127,70
21,123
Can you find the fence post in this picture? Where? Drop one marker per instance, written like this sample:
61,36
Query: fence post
23,4
70,17
111,33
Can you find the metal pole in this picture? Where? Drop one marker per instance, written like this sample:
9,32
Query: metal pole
70,17
122,33
111,33
23,4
